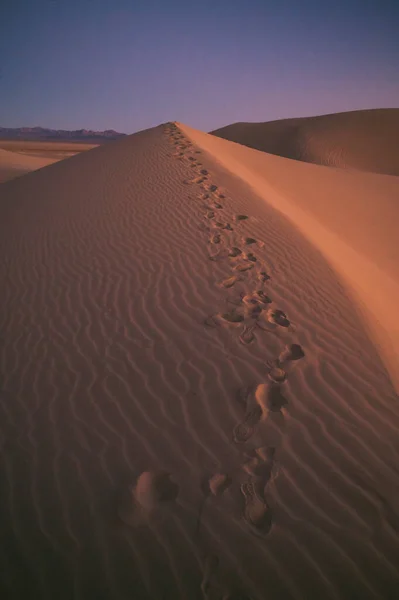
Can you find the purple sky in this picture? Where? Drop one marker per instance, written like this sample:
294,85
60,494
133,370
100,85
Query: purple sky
129,65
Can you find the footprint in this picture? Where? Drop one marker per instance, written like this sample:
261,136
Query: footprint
230,281
278,317
197,180
232,317
241,217
256,512
248,241
216,239
221,225
216,256
203,171
234,252
269,398
212,187
245,430
210,214
262,297
253,310
247,336
250,256
243,267
261,465
291,352
263,276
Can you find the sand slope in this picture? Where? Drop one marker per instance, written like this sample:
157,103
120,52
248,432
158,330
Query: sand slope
157,441
351,217
366,140
13,164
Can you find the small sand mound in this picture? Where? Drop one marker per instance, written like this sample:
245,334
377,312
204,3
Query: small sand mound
152,489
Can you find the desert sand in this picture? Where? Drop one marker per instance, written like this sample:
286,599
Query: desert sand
365,140
199,359
18,157
13,164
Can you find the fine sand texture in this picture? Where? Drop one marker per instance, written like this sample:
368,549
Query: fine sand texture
365,140
192,402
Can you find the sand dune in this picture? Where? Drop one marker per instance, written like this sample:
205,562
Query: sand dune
191,404
13,164
365,140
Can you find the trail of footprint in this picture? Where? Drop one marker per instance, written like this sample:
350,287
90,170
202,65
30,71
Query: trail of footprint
267,397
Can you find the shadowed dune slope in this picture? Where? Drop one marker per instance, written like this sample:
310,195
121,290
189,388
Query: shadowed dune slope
190,404
365,140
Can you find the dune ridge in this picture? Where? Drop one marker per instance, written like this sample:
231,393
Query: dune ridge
365,140
143,284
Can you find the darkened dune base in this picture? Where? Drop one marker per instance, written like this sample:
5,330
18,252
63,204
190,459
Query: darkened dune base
367,140
190,404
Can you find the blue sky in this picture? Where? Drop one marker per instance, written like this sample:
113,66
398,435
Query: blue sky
129,65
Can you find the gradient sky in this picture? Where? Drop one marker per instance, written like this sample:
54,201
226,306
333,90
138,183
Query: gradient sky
130,65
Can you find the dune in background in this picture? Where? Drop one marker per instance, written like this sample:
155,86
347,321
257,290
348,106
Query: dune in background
190,404
14,165
18,157
365,140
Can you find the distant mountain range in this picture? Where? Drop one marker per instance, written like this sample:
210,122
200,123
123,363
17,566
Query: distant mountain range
41,133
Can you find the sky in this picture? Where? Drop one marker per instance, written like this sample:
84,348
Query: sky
130,65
